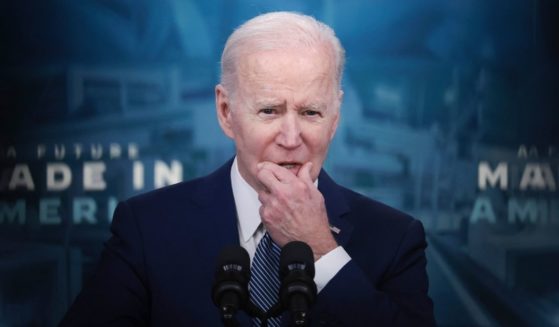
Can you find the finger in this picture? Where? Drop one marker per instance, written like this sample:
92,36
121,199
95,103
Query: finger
264,197
282,174
262,213
268,179
305,173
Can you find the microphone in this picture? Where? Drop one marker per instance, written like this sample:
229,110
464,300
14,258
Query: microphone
230,287
298,290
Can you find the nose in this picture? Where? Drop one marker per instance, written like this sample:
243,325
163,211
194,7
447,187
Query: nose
289,136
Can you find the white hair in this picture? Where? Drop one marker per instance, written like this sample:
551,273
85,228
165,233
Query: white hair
278,30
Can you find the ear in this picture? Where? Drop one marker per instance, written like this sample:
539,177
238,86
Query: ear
223,107
337,119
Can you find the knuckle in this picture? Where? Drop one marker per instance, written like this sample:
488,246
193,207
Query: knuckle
262,211
281,197
261,174
300,186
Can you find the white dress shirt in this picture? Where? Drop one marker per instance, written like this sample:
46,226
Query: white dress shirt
251,230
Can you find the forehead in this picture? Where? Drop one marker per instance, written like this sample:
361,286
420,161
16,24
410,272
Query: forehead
295,70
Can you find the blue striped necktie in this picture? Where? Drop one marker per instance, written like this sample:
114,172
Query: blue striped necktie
264,283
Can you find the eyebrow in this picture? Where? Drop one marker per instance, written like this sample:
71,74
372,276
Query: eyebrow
269,104
272,104
312,106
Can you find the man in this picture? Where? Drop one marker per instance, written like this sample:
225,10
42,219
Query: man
279,100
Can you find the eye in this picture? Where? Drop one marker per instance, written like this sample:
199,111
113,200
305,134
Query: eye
267,111
312,113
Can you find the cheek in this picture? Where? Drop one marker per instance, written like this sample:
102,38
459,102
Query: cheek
319,140
256,140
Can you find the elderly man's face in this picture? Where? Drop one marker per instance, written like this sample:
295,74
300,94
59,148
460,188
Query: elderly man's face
285,110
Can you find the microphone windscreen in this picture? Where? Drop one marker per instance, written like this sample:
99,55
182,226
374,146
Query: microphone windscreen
296,255
234,258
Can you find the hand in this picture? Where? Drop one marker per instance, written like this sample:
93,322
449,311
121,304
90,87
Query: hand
293,209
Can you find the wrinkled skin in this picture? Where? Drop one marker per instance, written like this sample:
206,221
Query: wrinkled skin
282,116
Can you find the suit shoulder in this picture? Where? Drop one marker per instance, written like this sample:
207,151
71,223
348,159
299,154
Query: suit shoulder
375,210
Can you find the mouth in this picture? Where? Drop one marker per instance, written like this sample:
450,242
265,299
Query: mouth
291,166
288,165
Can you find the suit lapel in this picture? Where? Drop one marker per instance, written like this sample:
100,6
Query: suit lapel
336,206
215,198
217,201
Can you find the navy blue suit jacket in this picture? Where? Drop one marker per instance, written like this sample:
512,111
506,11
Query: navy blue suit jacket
157,268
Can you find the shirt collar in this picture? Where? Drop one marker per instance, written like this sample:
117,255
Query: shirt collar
247,203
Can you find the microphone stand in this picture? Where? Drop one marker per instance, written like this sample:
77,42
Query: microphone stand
230,322
228,317
255,312
275,311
